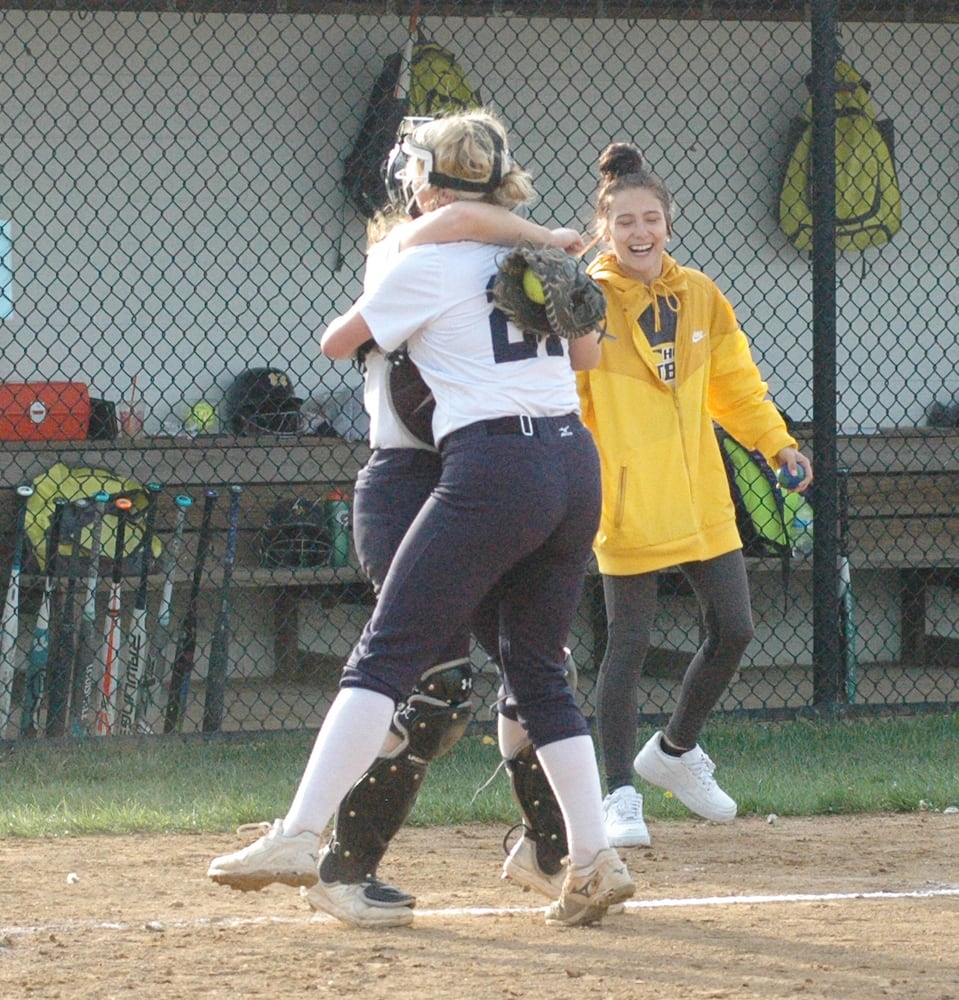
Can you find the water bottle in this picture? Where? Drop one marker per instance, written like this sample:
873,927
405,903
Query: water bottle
801,526
337,510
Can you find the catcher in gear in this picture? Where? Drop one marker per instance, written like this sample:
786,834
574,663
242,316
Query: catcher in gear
568,303
390,489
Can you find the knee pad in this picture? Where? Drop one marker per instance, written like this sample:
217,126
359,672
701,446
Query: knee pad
436,713
542,815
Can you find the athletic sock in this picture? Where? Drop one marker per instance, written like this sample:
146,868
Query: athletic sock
570,766
348,742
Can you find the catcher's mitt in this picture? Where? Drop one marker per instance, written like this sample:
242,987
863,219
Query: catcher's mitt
573,304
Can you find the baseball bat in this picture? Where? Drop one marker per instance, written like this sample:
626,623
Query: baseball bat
160,654
137,638
64,635
847,606
11,609
109,650
186,641
86,646
220,644
40,644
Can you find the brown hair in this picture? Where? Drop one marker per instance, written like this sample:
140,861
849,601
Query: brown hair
622,167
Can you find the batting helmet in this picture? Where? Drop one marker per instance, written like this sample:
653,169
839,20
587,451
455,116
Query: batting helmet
295,534
262,401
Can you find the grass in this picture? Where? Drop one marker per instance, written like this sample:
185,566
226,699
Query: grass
162,785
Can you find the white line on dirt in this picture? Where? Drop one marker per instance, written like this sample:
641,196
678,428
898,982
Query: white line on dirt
158,926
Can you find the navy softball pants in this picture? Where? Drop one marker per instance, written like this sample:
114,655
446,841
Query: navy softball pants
516,509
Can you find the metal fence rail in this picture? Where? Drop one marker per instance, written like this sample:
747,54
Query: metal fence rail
173,214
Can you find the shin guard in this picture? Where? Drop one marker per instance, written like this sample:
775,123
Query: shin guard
542,816
432,719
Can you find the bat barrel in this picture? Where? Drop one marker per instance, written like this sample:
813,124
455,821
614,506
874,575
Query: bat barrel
220,644
186,644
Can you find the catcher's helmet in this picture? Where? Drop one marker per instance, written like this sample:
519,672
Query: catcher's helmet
411,144
397,184
295,534
262,401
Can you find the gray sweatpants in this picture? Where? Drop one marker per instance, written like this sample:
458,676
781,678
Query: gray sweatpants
722,590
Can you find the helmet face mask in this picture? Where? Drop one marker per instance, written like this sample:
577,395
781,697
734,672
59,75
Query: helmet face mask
295,535
396,172
403,184
262,401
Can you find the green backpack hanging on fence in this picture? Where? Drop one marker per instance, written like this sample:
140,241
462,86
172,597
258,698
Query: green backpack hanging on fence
868,200
61,480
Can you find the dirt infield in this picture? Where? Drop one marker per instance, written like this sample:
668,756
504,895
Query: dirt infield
840,907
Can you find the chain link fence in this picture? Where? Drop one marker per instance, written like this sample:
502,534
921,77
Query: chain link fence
173,217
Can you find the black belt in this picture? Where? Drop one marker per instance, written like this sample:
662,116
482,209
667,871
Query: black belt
524,425
512,425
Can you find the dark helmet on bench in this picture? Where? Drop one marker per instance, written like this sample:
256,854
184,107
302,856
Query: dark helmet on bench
295,534
262,401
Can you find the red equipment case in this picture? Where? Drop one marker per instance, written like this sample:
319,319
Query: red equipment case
44,411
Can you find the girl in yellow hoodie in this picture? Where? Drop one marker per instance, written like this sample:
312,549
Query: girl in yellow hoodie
675,362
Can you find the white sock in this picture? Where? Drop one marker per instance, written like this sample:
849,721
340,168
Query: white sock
571,768
348,742
512,736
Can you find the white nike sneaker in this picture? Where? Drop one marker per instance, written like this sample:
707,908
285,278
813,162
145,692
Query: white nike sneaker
623,818
689,778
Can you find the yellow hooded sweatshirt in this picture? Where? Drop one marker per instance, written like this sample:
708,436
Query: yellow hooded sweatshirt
666,498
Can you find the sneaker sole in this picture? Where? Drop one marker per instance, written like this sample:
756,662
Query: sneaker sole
630,842
595,912
373,917
254,881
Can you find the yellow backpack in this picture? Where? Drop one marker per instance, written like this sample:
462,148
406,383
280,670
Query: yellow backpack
61,480
438,85
868,200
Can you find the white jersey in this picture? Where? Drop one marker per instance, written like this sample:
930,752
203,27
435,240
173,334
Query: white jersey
479,366
386,428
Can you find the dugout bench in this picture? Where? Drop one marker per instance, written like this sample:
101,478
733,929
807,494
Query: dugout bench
268,468
903,492
902,488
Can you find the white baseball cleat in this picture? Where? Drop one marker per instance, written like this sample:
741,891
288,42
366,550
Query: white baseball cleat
273,858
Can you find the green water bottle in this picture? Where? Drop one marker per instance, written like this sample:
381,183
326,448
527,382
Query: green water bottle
337,509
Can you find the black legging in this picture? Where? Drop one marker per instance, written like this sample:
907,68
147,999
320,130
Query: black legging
722,590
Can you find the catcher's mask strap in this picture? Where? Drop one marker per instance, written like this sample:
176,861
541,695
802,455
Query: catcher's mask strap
500,166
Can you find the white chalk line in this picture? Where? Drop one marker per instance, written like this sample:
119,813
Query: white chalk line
158,926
